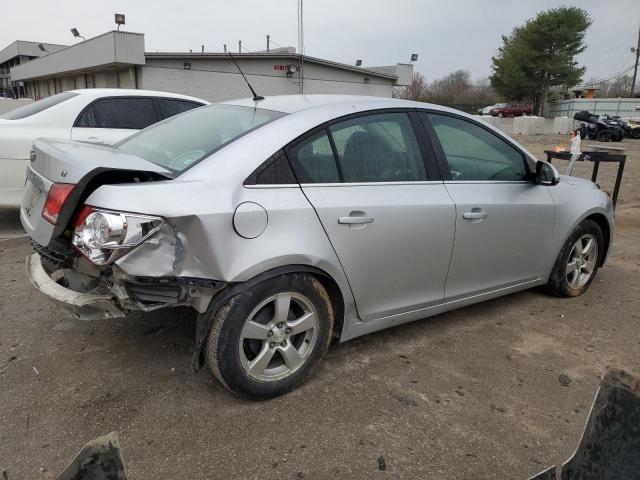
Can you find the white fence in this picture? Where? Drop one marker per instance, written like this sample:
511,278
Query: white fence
625,107
8,104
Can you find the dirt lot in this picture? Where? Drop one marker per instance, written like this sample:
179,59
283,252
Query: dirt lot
469,394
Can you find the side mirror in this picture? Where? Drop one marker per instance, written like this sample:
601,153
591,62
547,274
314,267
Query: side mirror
546,174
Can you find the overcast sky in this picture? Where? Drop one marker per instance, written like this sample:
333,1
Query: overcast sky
447,34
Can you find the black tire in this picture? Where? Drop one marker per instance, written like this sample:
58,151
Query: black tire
558,284
222,348
635,133
582,132
603,136
592,136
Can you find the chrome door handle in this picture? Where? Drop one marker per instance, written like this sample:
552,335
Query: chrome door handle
474,215
355,220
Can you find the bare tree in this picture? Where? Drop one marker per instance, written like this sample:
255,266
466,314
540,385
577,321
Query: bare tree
416,90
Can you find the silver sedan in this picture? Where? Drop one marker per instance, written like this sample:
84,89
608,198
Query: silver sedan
291,221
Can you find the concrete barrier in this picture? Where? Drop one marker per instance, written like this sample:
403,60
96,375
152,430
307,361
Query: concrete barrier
562,125
528,125
495,121
8,104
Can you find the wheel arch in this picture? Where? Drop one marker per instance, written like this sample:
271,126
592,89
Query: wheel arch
601,220
204,320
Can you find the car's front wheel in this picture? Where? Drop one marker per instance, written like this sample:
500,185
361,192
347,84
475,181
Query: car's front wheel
578,261
266,341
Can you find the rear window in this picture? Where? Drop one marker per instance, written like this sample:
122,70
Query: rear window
171,107
180,142
37,107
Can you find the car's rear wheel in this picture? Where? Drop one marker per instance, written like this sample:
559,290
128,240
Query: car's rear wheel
267,340
603,136
578,261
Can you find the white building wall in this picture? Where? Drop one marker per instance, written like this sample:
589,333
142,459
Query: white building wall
68,84
127,78
216,80
212,86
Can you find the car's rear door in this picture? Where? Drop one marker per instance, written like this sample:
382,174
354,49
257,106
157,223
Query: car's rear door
503,219
109,120
373,182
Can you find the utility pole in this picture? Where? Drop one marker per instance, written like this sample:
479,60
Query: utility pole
635,69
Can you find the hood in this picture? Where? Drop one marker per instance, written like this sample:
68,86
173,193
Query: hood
67,161
577,181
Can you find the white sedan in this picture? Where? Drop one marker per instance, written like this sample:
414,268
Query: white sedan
96,115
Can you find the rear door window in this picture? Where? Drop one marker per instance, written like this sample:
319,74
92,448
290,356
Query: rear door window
87,119
378,148
171,107
313,160
125,113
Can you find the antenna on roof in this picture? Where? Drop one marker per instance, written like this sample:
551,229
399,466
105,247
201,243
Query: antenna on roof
256,97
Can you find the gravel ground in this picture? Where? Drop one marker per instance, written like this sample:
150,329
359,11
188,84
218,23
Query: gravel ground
471,394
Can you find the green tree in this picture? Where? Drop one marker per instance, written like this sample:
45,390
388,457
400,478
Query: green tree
541,54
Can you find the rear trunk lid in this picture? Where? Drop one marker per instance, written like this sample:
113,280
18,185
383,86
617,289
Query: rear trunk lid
79,164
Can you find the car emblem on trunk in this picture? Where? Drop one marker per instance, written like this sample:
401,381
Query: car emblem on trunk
63,173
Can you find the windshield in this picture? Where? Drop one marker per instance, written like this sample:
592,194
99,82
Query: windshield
181,141
37,107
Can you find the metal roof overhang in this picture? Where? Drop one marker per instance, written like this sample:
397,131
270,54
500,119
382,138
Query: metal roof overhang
111,50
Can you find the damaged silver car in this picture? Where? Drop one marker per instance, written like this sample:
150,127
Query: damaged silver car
290,221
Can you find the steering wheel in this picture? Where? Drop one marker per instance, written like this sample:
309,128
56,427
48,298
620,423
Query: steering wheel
183,160
493,177
455,174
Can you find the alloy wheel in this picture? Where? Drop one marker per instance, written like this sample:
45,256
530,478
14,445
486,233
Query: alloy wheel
278,336
582,261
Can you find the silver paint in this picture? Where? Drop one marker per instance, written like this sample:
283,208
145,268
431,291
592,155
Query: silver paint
419,256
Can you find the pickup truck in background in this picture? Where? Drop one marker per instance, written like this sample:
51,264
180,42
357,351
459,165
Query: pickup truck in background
512,110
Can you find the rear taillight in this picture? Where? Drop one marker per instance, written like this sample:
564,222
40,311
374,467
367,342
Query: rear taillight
84,212
58,194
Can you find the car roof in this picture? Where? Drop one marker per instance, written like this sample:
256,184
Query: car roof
298,103
128,92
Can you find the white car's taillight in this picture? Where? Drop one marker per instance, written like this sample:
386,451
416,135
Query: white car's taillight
103,236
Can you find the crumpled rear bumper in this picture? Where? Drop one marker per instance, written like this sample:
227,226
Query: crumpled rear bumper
84,306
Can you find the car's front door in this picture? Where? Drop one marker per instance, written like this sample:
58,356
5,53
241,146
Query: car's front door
503,219
109,120
390,221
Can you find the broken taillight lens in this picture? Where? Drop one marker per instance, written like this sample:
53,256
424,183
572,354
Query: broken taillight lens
104,235
84,212
58,194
